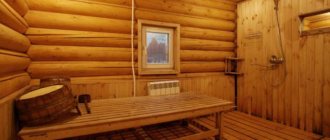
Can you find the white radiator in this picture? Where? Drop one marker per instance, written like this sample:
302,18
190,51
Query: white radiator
163,88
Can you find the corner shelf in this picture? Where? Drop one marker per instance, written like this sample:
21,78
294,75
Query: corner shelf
231,64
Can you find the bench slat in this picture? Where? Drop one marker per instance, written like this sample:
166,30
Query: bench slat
113,114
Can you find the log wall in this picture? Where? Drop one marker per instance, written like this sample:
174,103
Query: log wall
13,62
91,39
299,98
99,28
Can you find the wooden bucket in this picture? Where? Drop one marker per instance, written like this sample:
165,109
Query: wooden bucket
49,81
45,105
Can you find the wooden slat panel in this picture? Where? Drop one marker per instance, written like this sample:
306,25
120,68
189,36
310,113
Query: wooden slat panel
295,60
290,93
257,128
276,126
7,111
326,88
104,87
121,112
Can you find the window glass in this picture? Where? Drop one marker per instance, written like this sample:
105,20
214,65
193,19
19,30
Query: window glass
157,48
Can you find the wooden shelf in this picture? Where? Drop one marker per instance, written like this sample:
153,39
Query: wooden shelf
314,13
315,22
234,73
231,64
234,58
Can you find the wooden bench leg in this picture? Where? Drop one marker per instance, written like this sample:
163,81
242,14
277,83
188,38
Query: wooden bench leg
219,125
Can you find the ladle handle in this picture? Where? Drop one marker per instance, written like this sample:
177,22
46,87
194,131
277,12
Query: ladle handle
87,107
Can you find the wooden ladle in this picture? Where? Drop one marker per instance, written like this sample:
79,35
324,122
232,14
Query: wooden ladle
85,98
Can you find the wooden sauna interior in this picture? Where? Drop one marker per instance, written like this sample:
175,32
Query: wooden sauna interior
91,42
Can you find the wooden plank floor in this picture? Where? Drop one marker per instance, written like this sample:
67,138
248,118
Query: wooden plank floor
237,126
242,126
164,131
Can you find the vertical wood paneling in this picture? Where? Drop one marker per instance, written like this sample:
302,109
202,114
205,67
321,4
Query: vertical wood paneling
295,59
326,87
287,44
295,91
213,84
8,123
241,53
319,82
7,132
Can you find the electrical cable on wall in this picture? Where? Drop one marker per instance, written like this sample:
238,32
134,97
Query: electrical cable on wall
132,49
276,2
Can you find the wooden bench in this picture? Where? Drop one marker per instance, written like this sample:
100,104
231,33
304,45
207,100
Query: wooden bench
116,114
239,125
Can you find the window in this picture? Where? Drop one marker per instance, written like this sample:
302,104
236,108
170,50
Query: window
158,47
315,22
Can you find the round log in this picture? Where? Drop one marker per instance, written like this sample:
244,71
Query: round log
186,8
198,66
11,18
88,8
185,20
199,44
44,105
78,53
20,6
195,55
79,69
220,4
13,82
12,40
118,2
199,33
76,22
10,63
40,36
